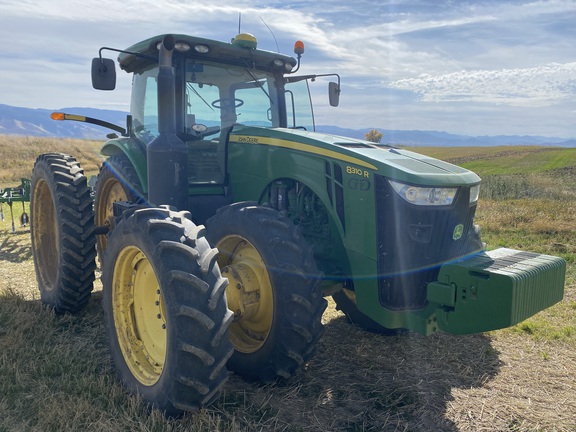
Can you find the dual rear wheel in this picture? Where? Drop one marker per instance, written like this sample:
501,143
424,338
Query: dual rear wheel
62,232
117,181
164,297
171,333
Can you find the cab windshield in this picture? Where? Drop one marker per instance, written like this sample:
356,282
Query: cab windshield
217,97
222,96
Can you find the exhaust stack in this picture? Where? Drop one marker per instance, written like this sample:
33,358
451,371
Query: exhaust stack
167,154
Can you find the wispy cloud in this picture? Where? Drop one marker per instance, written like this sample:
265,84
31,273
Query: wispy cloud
412,63
532,87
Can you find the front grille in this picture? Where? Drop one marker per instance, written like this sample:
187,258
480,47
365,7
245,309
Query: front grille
413,241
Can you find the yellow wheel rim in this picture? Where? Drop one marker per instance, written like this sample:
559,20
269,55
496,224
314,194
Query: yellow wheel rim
45,234
249,293
139,315
110,192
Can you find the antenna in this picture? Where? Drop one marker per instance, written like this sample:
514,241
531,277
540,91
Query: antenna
277,47
239,21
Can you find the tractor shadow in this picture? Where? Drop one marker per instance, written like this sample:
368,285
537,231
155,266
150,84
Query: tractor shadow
361,381
15,247
357,381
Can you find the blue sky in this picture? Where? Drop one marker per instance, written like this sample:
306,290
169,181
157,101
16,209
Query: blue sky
489,67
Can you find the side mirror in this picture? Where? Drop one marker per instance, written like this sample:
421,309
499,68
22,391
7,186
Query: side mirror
103,74
333,93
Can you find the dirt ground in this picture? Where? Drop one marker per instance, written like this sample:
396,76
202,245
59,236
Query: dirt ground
359,381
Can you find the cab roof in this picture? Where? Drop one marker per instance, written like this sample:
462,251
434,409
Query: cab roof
220,52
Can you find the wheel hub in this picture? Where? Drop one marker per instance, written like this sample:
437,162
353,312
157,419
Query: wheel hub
249,293
243,295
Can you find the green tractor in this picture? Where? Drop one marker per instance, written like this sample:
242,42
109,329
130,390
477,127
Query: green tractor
221,220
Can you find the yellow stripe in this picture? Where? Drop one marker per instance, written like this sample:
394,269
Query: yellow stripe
74,117
245,139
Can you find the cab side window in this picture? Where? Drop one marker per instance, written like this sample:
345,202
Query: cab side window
144,105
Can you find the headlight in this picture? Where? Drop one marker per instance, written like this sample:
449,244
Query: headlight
424,196
474,193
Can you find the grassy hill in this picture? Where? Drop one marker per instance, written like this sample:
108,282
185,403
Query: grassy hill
56,373
505,160
17,155
516,172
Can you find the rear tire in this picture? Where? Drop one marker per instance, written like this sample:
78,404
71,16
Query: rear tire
117,181
274,290
62,232
165,310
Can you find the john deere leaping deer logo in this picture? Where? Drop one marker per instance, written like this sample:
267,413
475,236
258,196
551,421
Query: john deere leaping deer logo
458,231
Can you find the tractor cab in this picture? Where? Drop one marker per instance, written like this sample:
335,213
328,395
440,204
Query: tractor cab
218,87
213,98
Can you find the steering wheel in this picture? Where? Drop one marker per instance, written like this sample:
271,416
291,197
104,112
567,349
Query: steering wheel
219,102
199,131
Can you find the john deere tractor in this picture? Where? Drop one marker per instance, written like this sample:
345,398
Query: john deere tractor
221,220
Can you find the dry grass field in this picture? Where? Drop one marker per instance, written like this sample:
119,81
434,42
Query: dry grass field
56,373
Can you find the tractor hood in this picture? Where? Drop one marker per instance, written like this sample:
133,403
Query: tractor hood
400,164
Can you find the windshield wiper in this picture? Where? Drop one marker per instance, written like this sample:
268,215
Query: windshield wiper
189,85
257,83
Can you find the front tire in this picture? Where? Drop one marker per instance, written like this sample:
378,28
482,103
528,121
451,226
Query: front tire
274,290
165,310
345,300
62,232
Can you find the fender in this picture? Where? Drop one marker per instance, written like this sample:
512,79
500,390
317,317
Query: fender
134,152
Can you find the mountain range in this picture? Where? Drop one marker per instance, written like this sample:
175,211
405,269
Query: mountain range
37,122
